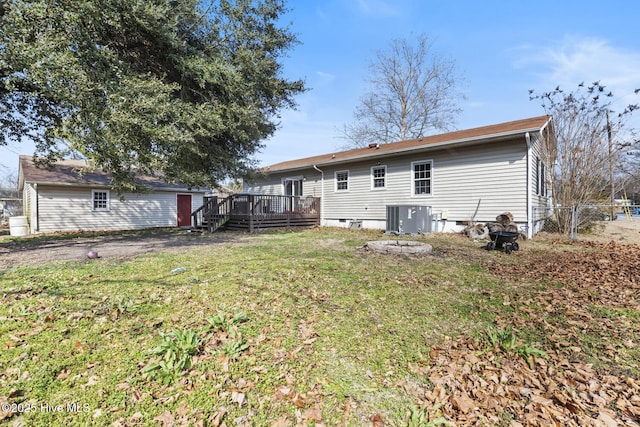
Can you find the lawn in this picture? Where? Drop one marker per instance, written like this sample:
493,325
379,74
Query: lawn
307,328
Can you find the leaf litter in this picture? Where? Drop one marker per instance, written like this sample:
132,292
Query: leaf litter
587,292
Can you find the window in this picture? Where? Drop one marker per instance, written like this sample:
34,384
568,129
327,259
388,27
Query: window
378,175
99,200
541,184
342,181
543,181
293,186
422,177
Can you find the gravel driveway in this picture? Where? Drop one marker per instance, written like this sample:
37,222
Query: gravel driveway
42,250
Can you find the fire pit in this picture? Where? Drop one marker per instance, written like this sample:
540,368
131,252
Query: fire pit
398,247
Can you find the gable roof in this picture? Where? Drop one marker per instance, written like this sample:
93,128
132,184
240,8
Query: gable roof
77,173
461,137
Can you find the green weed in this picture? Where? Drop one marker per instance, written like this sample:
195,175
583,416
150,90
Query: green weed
424,417
505,340
174,353
233,349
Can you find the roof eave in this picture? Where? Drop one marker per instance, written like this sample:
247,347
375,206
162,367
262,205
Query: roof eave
429,147
106,186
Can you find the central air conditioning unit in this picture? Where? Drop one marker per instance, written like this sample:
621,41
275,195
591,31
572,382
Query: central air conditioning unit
409,219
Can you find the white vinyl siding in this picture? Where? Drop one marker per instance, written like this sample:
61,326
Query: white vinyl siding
540,189
71,209
273,184
493,175
378,177
29,206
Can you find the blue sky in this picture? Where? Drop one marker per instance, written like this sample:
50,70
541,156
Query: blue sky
501,49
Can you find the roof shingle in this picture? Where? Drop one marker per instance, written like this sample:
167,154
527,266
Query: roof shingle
78,173
457,137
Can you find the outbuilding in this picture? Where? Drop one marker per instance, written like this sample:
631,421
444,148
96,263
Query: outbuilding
70,196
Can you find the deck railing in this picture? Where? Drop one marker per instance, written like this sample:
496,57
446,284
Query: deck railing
259,205
257,209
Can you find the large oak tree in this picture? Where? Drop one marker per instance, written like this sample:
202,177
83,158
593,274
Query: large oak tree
182,88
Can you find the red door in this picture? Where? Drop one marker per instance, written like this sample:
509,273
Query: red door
184,210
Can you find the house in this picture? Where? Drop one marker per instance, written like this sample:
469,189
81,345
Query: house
70,197
454,177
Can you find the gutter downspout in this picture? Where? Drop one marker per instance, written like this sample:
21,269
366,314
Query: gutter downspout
527,137
37,224
321,195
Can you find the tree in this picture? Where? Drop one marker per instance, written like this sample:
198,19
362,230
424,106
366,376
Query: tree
589,138
184,89
413,93
10,195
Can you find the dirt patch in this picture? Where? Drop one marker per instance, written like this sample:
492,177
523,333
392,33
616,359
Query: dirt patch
621,231
40,250
43,249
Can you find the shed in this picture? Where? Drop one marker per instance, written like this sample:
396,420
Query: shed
70,196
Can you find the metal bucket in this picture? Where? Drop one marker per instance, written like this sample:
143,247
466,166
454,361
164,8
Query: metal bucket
18,226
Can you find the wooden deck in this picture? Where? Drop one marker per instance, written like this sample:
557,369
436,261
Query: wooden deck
254,212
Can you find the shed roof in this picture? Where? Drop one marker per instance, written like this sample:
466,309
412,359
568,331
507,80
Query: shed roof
79,173
461,137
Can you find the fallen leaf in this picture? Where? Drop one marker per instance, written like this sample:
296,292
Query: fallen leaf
463,403
281,422
312,414
14,393
376,420
216,419
541,400
63,374
299,400
238,398
182,410
607,419
166,418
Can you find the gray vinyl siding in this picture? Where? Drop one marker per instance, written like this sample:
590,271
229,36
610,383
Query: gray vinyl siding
493,174
69,209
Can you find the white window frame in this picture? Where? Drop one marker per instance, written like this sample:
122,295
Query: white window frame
541,182
383,178
292,179
341,181
107,201
413,179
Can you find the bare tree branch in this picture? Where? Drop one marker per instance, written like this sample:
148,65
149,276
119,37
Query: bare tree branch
413,93
588,144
